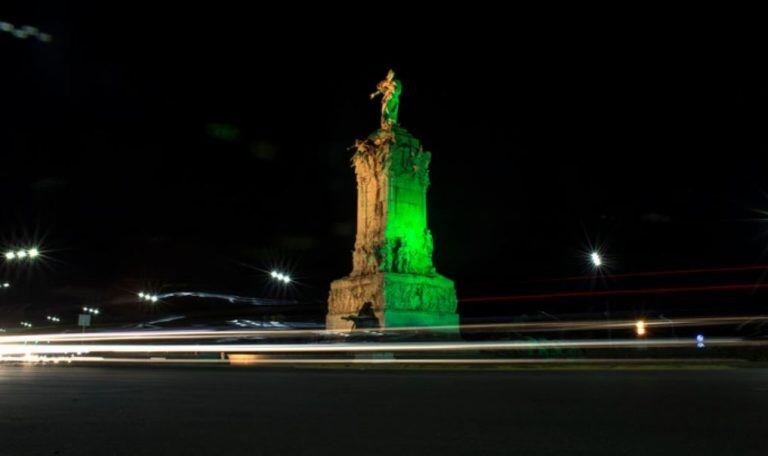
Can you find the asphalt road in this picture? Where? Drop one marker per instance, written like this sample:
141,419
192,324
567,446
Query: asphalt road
255,411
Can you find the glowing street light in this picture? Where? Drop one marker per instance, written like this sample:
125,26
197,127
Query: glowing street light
640,328
22,254
597,261
285,278
91,310
53,319
26,324
148,296
6,285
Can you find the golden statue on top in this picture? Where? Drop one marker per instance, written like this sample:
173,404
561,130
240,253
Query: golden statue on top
389,89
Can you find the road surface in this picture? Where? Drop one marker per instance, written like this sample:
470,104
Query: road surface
137,410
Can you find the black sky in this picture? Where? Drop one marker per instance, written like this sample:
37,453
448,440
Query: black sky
185,149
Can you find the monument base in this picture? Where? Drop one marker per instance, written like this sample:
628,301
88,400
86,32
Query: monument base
391,300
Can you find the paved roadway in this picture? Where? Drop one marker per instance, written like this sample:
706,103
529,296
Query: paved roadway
255,411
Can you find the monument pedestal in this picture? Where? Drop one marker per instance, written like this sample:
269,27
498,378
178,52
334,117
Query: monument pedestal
397,300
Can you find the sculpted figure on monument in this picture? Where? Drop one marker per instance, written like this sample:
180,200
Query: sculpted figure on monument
389,89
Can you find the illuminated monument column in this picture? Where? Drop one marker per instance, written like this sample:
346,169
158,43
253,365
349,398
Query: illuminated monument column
393,281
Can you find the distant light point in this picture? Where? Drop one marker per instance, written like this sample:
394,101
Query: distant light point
640,328
597,261
285,278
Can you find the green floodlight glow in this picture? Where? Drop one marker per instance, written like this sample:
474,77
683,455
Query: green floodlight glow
10,255
33,252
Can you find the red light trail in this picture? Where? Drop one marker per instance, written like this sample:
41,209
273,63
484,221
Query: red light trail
657,273
624,292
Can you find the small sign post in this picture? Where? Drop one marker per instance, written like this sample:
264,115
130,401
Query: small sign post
84,320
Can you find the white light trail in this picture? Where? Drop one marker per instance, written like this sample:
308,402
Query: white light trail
146,335
226,297
272,360
45,349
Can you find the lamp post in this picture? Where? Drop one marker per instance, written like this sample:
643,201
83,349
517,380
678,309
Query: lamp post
596,259
280,277
148,297
22,254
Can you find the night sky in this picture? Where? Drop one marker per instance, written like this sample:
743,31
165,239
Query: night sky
193,151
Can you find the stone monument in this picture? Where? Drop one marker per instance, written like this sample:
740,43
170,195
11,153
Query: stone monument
393,281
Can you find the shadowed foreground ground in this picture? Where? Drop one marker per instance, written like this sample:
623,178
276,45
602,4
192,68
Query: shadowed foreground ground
224,410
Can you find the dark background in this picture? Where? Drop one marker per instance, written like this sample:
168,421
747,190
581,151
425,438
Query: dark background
194,149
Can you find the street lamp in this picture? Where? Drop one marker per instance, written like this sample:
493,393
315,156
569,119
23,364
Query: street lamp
53,319
148,296
21,254
285,278
597,261
91,310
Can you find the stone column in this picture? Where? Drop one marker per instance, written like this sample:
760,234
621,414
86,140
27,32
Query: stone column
393,281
